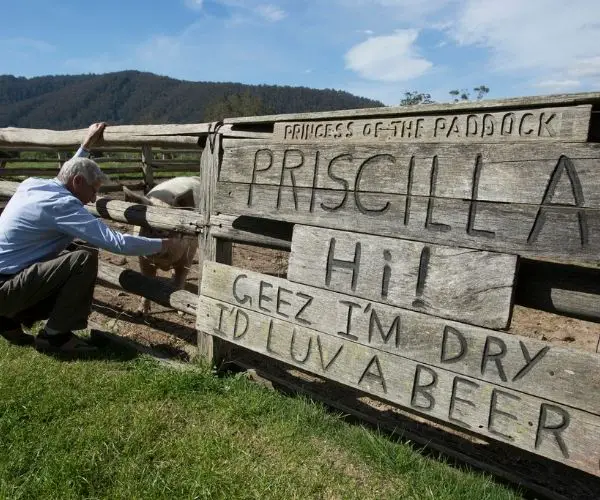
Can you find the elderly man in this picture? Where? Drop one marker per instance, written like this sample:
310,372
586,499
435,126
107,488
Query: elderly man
37,281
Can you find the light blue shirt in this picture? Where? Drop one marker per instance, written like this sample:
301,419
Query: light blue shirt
42,218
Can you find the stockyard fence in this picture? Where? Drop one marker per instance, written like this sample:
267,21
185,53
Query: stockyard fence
412,231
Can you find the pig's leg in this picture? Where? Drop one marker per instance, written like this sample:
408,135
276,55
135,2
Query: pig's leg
180,272
147,269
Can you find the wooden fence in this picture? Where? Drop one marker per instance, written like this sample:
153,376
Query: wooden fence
412,232
143,149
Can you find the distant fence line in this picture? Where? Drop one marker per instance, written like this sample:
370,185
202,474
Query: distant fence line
150,142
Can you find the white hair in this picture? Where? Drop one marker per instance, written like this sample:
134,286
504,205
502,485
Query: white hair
85,167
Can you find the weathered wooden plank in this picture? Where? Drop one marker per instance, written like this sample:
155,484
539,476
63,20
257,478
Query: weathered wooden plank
246,229
31,172
117,134
545,124
466,285
212,349
485,105
559,288
180,220
563,232
559,173
570,436
519,363
156,290
147,168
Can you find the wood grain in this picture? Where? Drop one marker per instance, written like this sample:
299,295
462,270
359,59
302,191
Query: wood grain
506,173
534,367
485,105
465,285
558,231
544,124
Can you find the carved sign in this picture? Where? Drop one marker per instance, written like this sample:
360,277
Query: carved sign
568,123
481,380
528,199
466,285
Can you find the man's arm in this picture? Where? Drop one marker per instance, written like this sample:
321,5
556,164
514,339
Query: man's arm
77,222
92,138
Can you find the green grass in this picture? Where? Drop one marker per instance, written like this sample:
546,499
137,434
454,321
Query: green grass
119,428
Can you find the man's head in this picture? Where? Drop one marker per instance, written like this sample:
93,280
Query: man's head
83,178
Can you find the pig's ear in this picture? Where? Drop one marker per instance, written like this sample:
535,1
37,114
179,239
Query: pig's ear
132,197
185,199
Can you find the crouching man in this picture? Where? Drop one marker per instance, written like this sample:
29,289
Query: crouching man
37,280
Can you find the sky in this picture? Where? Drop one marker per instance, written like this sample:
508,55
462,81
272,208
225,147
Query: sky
373,48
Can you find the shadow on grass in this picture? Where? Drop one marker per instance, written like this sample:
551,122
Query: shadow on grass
531,475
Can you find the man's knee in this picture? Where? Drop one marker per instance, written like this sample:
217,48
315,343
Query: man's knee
86,259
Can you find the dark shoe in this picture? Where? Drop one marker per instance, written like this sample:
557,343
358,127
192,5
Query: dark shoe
63,343
17,337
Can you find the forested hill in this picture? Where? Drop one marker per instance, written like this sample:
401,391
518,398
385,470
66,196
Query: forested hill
132,97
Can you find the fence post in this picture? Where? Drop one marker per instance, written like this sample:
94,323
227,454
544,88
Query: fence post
211,348
147,168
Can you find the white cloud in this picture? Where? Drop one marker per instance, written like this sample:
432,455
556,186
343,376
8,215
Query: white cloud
390,58
270,12
194,4
550,37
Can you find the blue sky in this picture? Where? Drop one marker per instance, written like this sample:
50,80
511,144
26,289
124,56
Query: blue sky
373,48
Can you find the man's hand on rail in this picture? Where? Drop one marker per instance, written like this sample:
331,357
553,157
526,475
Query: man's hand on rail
94,135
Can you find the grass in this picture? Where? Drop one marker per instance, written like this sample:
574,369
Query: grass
129,428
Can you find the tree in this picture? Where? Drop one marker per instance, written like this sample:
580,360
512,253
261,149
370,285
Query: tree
465,95
414,97
232,105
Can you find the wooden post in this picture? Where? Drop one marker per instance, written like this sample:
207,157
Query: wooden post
61,159
212,349
147,167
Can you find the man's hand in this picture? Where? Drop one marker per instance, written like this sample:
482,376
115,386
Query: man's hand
94,135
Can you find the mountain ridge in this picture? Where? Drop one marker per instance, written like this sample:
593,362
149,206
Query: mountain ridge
63,102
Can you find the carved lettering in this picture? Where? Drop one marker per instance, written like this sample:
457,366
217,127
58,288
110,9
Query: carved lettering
564,165
245,298
529,361
373,373
496,357
359,174
454,399
423,389
325,365
429,224
351,306
300,359
236,331
495,412
255,169
550,412
304,307
393,329
445,356
353,265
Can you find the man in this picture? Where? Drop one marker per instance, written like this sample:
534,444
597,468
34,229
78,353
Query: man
39,222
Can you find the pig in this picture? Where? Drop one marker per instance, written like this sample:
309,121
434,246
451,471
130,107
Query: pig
173,193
